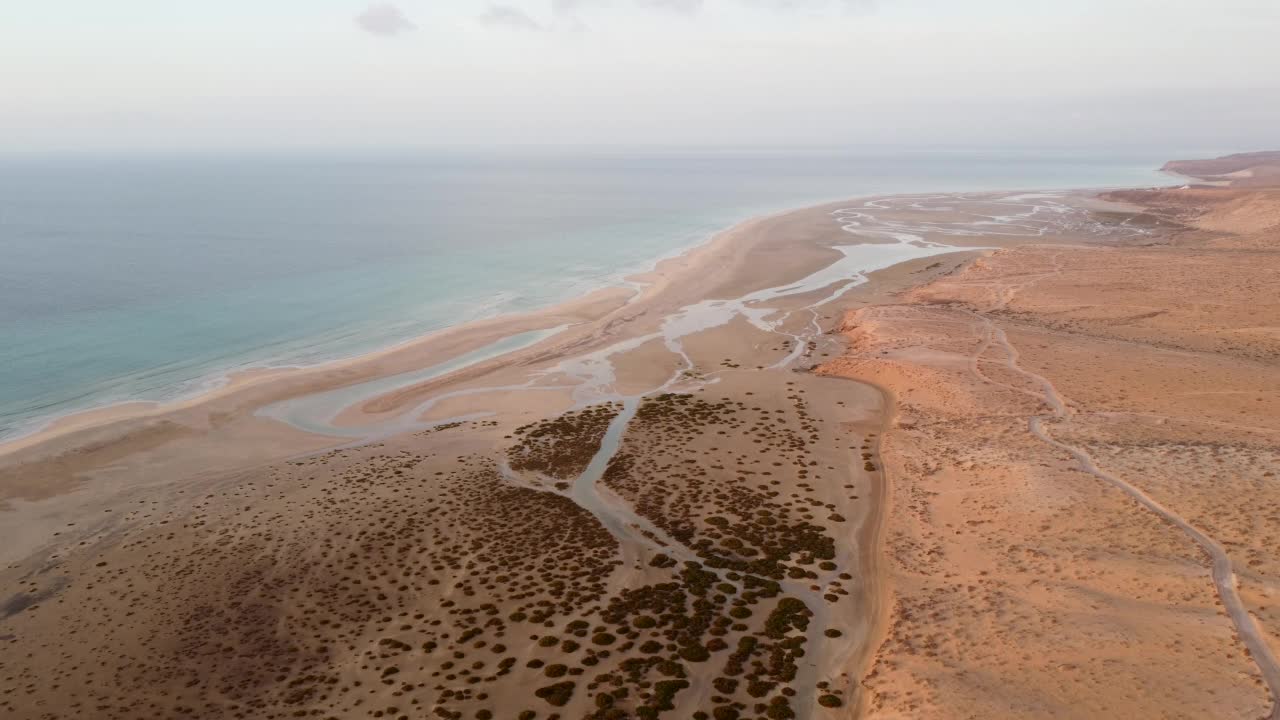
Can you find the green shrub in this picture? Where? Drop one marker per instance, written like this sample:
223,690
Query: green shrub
558,694
695,653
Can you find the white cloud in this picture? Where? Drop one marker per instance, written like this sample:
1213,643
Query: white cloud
853,7
384,19
687,7
568,7
506,16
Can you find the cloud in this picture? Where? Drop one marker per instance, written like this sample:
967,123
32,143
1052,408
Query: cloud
568,7
852,7
384,19
505,16
687,7
572,8
861,7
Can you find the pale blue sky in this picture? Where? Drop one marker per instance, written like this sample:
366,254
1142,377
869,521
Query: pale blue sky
176,74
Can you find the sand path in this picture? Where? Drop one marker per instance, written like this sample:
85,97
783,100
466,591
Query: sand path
640,537
1223,573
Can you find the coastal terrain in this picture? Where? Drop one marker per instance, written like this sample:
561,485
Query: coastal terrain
966,455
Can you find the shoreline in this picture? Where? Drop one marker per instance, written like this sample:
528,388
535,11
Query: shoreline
708,387
223,384
236,381
658,277
653,281
220,381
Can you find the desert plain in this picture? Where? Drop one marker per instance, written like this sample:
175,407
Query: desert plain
984,455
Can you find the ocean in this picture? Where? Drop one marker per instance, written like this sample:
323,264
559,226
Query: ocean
152,278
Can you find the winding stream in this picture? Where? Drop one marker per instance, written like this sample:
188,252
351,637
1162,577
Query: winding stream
592,376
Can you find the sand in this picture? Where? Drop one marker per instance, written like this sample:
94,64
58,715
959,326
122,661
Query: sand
1028,581
207,559
823,504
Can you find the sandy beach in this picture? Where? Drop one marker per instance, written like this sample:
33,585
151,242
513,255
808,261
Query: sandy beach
966,455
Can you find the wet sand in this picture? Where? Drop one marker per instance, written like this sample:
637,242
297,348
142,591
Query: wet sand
687,501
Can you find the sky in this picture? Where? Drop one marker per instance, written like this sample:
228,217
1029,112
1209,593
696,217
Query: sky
89,75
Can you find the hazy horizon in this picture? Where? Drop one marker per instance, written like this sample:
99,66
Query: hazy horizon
152,76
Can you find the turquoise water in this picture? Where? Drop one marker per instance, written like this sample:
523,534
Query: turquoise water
316,412
126,278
